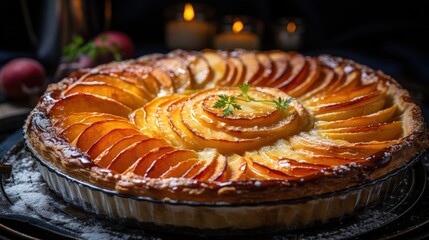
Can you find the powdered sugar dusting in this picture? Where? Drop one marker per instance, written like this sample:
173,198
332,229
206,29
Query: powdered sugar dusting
25,187
31,197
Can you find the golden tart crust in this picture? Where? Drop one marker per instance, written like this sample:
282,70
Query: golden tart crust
147,127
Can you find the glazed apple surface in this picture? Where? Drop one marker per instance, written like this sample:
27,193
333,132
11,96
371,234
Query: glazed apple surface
157,117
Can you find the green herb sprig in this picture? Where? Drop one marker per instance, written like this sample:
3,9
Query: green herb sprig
228,103
78,47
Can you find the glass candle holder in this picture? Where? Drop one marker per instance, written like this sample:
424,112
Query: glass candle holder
289,33
189,26
238,32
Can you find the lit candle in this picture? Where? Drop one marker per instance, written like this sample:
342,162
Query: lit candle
237,38
188,32
289,34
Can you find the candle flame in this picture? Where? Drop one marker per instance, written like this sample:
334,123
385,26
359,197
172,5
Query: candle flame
188,12
237,26
291,27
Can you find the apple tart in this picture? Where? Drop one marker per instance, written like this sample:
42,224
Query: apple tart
226,140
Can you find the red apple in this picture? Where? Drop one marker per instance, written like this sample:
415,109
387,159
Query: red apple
21,78
116,40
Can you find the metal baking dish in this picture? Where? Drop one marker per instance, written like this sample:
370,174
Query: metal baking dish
219,218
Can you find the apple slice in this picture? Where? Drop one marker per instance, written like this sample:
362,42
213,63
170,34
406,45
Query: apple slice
253,67
97,117
289,167
129,99
180,169
268,70
381,116
143,77
353,79
178,70
355,112
168,161
241,70
205,169
152,85
142,164
336,148
231,76
348,104
283,157
236,169
218,67
164,81
326,78
138,118
333,69
374,105
151,80
130,73
73,131
199,68
68,120
117,82
97,130
302,83
107,156
84,102
130,155
281,66
109,139
87,120
200,71
340,79
259,172
343,96
207,158
379,132
214,171
298,68
153,118
326,159
172,118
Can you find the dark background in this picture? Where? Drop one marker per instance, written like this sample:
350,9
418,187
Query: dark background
392,36
387,35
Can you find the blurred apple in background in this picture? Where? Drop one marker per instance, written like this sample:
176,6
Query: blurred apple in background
22,78
116,42
105,47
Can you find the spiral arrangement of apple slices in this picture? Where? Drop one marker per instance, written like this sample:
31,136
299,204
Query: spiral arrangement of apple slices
154,117
191,121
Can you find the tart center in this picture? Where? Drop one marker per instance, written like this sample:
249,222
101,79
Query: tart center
194,121
248,109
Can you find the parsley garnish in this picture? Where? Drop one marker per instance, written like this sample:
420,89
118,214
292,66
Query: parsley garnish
228,103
